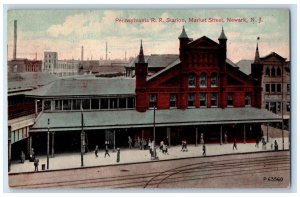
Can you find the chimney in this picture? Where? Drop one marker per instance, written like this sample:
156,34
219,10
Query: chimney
15,40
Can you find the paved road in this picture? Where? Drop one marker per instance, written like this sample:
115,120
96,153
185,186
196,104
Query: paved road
259,170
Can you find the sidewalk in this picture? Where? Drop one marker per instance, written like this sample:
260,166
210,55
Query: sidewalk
73,160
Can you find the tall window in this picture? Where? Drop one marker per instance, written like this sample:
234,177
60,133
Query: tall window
273,72
85,103
192,80
214,79
122,102
203,100
153,100
113,103
268,72
191,100
66,104
278,87
248,99
104,103
203,80
267,87
230,99
76,104
267,105
57,104
278,107
130,102
273,87
47,105
95,103
173,100
278,72
214,100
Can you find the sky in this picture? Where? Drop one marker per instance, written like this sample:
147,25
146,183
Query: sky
65,31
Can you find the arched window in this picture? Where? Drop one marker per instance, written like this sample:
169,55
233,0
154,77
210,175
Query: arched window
278,72
268,72
192,80
203,80
273,72
214,79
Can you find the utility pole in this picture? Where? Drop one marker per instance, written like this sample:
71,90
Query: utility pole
82,139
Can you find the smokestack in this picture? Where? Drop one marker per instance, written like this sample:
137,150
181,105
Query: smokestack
106,51
15,40
81,53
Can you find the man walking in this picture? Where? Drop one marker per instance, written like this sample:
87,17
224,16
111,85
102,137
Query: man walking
234,145
129,142
106,151
36,165
204,150
118,155
96,151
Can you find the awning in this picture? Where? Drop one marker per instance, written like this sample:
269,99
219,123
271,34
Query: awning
116,119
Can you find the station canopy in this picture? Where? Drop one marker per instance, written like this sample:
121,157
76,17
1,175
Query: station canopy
118,119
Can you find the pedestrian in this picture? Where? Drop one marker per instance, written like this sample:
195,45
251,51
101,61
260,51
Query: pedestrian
257,142
106,151
276,145
165,149
225,137
96,151
36,165
204,150
161,145
264,144
118,155
201,138
129,142
271,146
32,155
22,157
234,145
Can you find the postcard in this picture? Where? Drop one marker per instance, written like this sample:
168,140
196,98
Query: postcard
149,98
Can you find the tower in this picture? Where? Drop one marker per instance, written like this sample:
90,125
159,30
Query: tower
223,71
223,45
183,41
141,71
256,73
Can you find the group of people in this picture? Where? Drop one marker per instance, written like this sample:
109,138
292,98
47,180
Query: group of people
264,144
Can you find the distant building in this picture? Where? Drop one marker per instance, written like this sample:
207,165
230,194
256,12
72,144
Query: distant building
156,62
60,68
24,65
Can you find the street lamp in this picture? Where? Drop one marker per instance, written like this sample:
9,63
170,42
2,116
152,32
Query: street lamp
48,133
82,139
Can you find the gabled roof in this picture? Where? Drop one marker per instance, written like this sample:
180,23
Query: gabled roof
173,64
273,54
245,66
28,80
156,60
86,87
203,41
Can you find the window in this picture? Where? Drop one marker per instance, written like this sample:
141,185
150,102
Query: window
76,104
192,80
130,102
191,100
273,72
272,87
267,87
214,100
113,103
214,79
122,103
268,72
66,104
104,103
173,100
267,105
15,68
203,80
248,99
57,104
153,100
95,104
278,72
278,87
273,107
203,100
230,99
288,87
278,107
288,106
85,103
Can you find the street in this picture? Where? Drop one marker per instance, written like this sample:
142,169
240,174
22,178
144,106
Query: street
247,170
